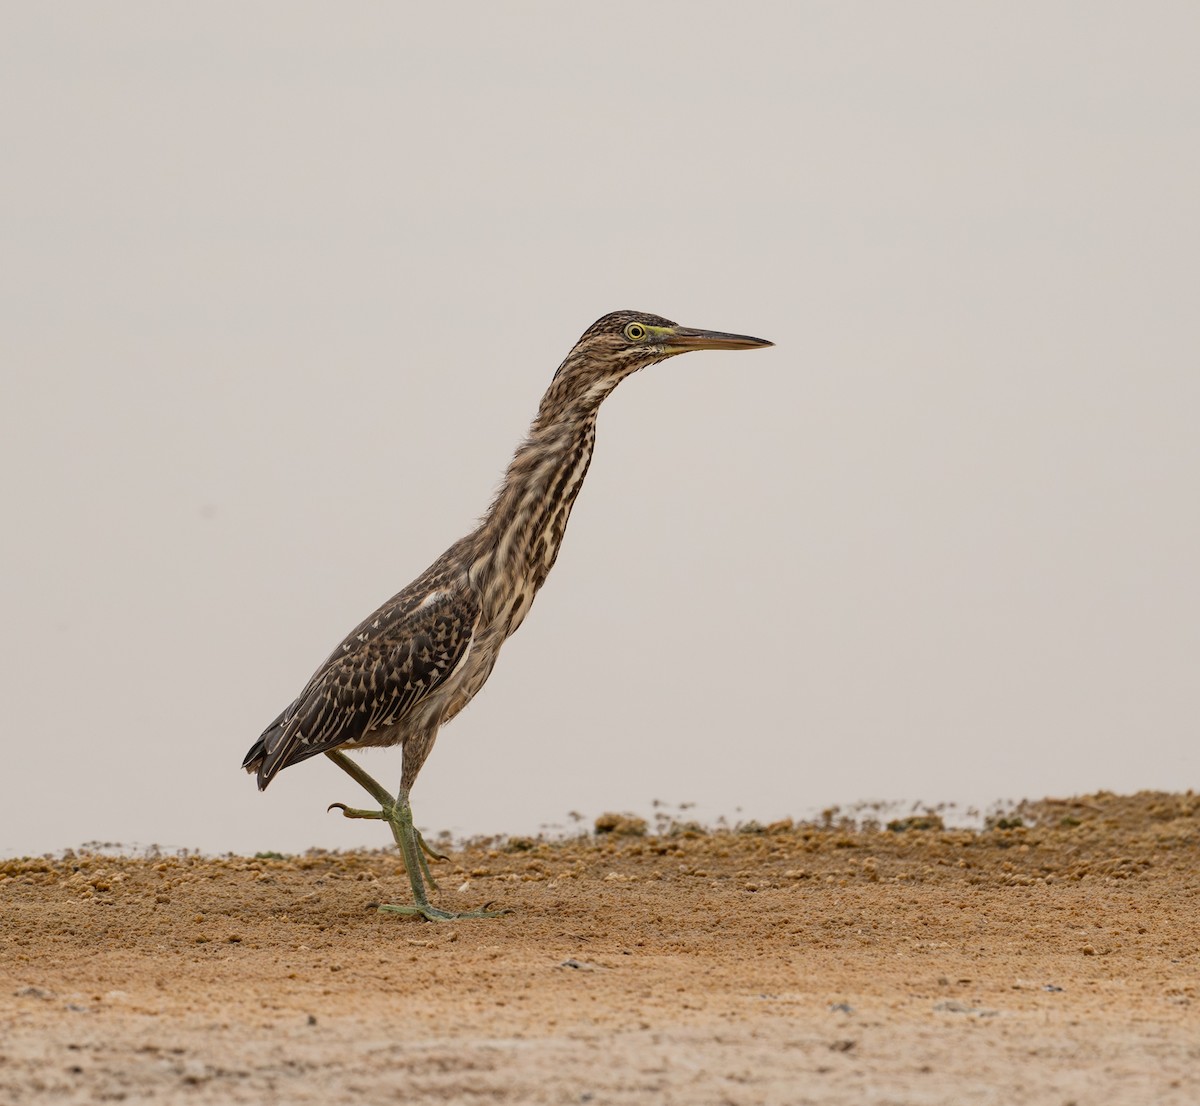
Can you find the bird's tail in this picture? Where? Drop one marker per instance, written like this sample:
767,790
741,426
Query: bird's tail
260,758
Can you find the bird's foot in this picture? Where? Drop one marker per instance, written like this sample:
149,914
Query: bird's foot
351,812
437,914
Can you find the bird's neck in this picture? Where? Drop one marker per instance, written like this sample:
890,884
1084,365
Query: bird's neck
518,541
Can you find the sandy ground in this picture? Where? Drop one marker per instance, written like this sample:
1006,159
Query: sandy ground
1054,962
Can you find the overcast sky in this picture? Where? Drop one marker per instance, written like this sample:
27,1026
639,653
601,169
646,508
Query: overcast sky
282,285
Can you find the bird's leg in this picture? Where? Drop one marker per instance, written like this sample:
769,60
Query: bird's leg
397,812
412,847
389,811
387,805
378,792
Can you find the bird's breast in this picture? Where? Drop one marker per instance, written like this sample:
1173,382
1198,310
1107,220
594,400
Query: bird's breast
472,674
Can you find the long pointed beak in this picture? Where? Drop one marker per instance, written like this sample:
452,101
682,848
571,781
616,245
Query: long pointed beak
681,339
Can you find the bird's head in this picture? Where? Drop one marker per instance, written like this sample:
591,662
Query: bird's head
622,342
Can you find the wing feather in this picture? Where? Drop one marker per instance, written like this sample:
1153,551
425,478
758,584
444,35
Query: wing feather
383,670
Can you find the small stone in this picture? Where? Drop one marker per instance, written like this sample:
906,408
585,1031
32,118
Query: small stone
195,1071
621,825
927,821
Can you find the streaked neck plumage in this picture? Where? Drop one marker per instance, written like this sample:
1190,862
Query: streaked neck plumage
518,540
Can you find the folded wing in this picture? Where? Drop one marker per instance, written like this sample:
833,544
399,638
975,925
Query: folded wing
382,672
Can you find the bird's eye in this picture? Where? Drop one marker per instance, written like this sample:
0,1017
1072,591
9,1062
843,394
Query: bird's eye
635,332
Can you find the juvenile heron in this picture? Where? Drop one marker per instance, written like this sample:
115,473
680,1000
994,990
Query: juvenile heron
415,663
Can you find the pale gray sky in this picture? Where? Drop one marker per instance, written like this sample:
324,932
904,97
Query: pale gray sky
282,285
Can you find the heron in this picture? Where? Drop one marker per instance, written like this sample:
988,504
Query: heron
411,666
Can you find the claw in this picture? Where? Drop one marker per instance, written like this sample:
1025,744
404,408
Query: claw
433,854
351,812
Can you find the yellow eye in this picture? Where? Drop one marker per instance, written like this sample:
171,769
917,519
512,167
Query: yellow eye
635,332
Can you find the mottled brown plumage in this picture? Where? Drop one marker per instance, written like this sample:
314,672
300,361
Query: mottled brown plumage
415,663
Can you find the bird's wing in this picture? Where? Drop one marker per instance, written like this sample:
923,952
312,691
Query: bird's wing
388,665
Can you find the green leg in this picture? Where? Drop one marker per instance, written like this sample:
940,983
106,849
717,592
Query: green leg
397,812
